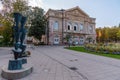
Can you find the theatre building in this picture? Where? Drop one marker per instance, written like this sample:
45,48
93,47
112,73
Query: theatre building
73,22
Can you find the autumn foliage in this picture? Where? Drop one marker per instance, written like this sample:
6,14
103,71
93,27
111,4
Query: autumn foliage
108,34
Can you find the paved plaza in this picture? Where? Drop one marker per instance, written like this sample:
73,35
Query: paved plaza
54,63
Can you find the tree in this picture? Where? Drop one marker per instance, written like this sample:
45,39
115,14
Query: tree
118,34
38,23
11,6
6,17
7,33
68,36
6,30
105,35
119,25
15,5
99,34
112,34
20,6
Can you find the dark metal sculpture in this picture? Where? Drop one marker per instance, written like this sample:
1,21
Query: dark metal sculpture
19,46
19,35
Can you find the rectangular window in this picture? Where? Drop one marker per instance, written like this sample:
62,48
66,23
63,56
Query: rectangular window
81,27
91,29
55,26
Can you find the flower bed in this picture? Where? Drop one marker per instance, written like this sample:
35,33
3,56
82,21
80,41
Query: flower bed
107,49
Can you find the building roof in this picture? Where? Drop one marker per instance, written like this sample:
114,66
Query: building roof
68,10
78,8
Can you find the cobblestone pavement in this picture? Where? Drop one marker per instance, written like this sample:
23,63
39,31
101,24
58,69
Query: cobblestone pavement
45,68
54,63
90,67
5,55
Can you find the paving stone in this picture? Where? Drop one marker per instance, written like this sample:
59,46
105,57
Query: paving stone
52,63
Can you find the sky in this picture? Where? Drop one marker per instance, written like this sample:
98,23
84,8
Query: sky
106,12
0,6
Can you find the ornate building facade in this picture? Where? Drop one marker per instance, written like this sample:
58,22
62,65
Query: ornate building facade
73,22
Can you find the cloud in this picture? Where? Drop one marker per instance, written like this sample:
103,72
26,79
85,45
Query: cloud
39,3
34,3
1,6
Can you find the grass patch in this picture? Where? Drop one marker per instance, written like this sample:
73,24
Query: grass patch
82,49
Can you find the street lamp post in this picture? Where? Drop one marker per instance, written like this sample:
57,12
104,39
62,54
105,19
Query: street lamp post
62,23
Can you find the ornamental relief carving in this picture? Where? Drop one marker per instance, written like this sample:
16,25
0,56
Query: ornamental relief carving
76,13
51,14
58,15
74,18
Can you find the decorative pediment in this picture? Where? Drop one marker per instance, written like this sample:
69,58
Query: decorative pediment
76,11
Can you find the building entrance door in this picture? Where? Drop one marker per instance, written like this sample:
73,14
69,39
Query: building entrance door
56,40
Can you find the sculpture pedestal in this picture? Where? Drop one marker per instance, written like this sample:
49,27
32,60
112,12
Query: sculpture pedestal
16,74
16,64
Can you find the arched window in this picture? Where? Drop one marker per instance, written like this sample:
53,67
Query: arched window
56,25
75,27
69,26
81,27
